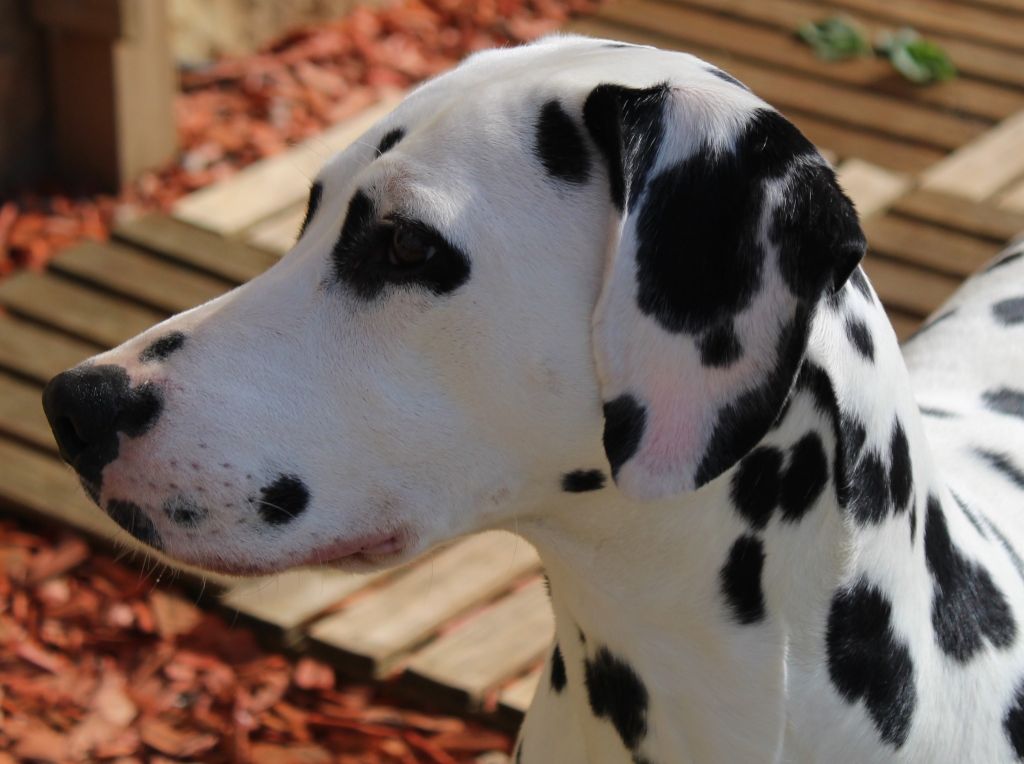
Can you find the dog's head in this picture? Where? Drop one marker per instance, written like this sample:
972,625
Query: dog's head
553,264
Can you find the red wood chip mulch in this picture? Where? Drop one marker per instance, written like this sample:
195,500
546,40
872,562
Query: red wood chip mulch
98,664
243,109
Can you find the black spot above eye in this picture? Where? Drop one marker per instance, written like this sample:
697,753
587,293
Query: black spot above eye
615,692
560,145
283,500
868,662
580,481
162,347
316,192
740,578
624,423
1010,311
390,140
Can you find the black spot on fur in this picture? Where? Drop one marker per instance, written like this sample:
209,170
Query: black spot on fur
362,262
740,578
860,336
805,477
1009,311
756,485
580,481
560,146
163,347
557,670
936,413
624,423
390,140
720,346
725,76
185,512
1011,258
1005,401
859,280
1013,721
868,662
913,522
616,693
869,496
1004,464
316,193
901,473
132,518
967,606
283,500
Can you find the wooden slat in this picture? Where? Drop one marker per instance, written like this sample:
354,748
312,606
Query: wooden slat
375,631
21,413
30,351
755,43
913,291
226,258
497,644
1013,199
76,309
265,188
948,211
971,58
871,188
843,139
284,603
519,694
979,169
277,234
929,247
138,276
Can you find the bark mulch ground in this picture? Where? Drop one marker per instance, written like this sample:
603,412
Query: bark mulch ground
98,663
239,110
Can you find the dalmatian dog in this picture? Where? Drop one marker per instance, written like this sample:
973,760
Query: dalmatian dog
605,296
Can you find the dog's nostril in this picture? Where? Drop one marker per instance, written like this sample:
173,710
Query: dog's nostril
68,437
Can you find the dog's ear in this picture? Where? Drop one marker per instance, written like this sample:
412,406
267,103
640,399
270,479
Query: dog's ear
729,228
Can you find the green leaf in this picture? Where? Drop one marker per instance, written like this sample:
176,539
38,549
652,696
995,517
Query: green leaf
835,38
919,60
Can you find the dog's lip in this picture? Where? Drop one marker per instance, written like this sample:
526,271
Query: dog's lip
371,546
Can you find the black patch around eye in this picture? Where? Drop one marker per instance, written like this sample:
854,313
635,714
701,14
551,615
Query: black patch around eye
390,140
901,473
559,144
740,578
316,192
725,76
132,518
624,423
1002,463
967,606
868,662
1013,722
1005,401
580,481
756,484
615,692
283,500
163,347
720,346
1010,311
860,336
805,477
361,259
558,678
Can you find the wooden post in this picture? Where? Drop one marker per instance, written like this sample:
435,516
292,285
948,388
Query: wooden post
112,86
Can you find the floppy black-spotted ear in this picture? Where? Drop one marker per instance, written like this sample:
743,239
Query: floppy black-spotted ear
731,229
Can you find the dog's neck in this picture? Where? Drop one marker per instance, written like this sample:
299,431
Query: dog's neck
718,610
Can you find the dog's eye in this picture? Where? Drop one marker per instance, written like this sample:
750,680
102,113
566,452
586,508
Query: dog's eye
410,246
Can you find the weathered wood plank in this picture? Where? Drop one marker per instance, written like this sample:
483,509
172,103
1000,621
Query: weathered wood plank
75,309
927,246
267,187
493,646
981,168
27,350
909,289
229,259
21,413
371,634
871,188
278,234
1013,198
284,603
517,697
983,220
133,274
755,43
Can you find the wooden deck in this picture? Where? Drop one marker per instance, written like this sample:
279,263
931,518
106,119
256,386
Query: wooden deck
937,174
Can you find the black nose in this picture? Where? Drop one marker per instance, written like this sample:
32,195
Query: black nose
88,406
